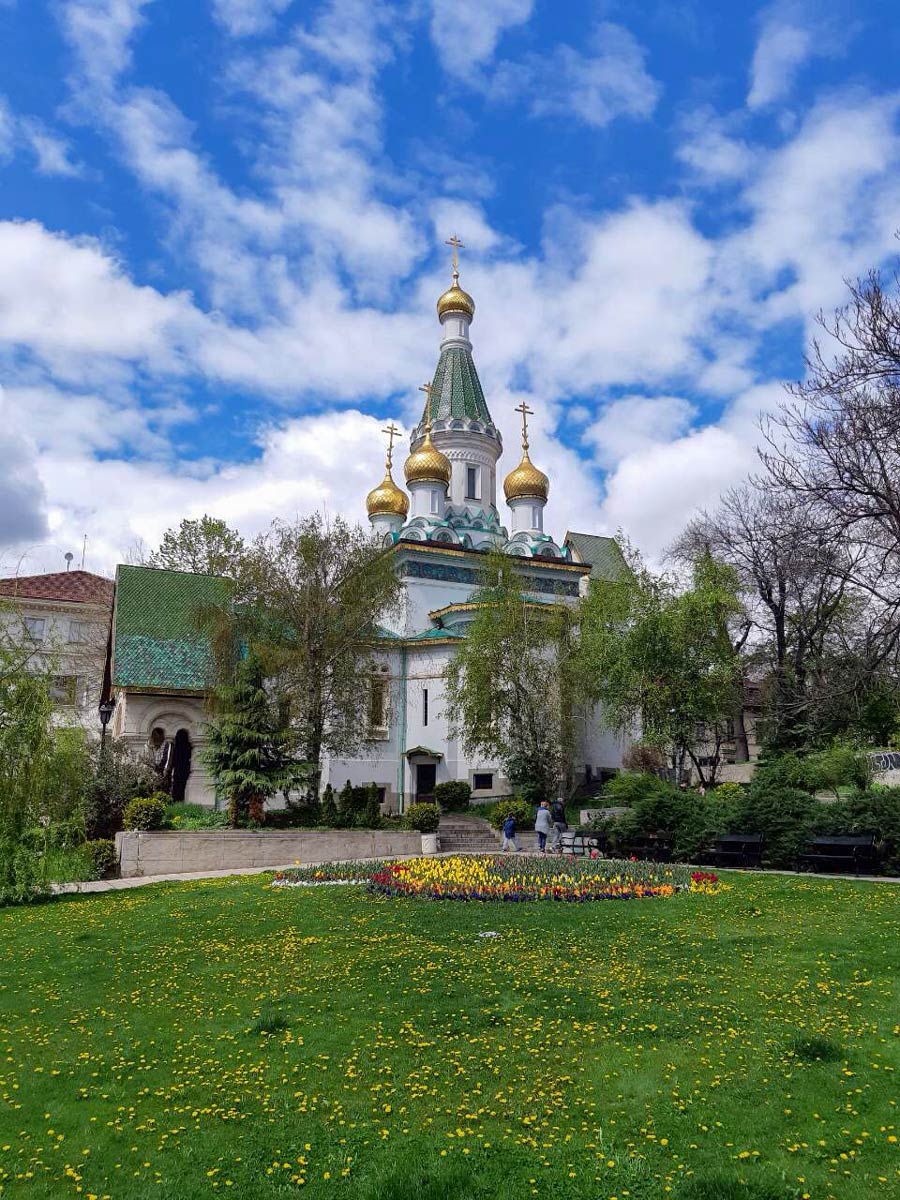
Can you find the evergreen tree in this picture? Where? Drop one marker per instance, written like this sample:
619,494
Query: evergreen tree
373,807
329,808
247,752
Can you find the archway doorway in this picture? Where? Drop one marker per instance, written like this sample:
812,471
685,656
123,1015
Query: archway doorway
181,764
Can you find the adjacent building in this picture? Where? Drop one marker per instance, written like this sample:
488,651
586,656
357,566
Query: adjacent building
61,621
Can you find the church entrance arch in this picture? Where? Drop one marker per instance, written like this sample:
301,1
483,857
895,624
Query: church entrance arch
182,751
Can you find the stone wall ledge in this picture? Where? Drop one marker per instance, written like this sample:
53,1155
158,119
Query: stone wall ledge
187,851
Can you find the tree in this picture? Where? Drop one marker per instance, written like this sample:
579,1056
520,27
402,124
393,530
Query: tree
248,743
799,614
205,547
663,658
834,448
308,600
511,689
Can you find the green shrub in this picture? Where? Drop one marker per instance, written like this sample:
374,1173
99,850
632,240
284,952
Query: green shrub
101,853
692,820
785,816
424,817
520,810
728,793
22,877
145,812
629,787
877,811
453,796
194,816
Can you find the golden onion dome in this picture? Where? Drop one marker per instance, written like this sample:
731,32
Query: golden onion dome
387,500
427,464
526,481
455,299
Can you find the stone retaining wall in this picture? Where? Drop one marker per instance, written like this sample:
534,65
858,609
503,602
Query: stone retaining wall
183,851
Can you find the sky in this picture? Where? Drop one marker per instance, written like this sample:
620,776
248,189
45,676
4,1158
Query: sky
222,229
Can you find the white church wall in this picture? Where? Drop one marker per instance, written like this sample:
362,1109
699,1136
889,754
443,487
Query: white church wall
137,714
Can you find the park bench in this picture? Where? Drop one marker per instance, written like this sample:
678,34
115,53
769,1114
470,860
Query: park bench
652,847
736,850
847,852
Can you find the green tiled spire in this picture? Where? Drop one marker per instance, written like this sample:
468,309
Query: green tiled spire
456,389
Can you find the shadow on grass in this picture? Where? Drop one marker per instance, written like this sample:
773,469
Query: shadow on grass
815,1049
723,1187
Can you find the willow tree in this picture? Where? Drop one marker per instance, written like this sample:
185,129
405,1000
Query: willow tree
662,658
510,691
307,601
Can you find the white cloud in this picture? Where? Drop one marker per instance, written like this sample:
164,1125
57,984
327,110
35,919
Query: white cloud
791,34
22,501
100,33
711,151
636,423
243,17
607,81
66,298
52,152
466,32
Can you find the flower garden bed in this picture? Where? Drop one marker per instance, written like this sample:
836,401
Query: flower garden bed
510,879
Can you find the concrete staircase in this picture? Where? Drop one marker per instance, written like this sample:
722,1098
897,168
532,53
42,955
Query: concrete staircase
465,833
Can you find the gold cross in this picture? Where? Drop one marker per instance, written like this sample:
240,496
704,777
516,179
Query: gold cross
392,431
526,413
427,389
457,245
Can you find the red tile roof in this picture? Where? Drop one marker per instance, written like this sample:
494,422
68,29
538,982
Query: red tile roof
76,587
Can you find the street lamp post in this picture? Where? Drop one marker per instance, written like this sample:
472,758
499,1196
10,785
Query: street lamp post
106,711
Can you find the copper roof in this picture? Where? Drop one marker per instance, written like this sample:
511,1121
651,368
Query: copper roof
73,587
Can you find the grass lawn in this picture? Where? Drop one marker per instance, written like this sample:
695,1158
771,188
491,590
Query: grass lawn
223,1037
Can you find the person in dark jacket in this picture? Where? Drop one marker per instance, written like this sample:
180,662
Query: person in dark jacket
558,814
509,834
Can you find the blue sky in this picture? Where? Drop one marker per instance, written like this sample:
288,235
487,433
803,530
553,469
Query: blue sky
222,228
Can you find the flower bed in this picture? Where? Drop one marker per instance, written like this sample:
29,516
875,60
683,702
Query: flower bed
336,872
521,879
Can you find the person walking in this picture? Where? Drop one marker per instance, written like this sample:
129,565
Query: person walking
509,834
543,824
558,815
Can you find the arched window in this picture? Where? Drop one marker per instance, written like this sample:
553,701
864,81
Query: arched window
181,764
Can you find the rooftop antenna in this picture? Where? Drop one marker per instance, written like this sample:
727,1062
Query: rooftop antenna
83,551
68,557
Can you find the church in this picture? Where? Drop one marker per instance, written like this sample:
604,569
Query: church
438,531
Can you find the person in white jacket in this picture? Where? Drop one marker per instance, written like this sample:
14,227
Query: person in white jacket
543,824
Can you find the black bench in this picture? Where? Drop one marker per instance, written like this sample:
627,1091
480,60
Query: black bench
653,847
847,852
736,850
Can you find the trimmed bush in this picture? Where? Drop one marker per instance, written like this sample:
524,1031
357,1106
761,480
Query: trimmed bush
101,853
453,796
145,813
424,817
329,812
520,810
786,817
628,788
373,808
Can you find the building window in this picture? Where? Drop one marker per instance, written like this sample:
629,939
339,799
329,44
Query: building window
64,690
35,627
482,781
79,631
471,483
434,501
535,518
424,706
378,707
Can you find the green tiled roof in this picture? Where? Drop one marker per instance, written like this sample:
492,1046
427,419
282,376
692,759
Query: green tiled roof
456,389
158,642
602,553
430,635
